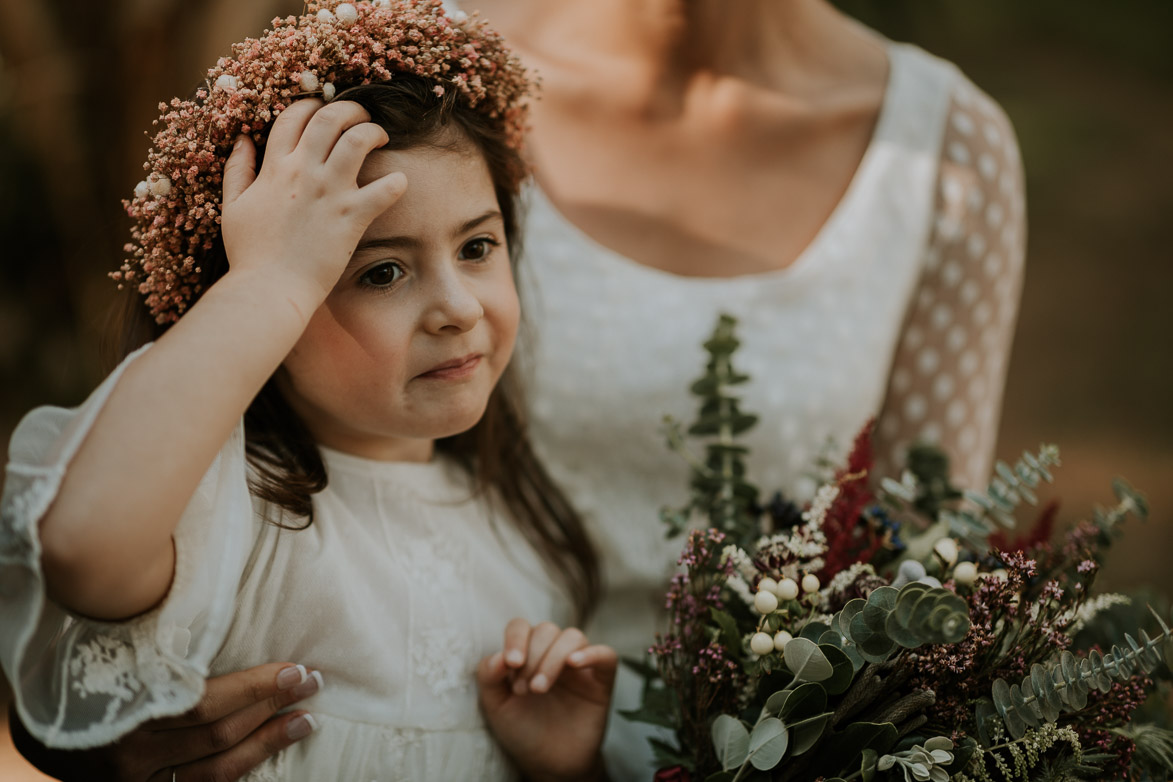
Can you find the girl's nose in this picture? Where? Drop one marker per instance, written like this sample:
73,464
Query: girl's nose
454,306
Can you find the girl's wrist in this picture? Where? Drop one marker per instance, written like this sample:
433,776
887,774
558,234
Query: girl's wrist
275,295
596,773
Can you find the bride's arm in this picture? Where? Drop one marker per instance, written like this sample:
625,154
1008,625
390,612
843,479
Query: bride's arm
950,366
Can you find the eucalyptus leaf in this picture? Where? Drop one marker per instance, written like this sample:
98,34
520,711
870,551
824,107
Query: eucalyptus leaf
806,700
730,740
806,661
806,733
842,670
767,743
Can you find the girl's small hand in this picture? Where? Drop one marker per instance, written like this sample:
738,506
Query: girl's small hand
546,696
299,220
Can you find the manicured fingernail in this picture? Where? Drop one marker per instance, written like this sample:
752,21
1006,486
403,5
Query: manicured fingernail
290,677
238,143
301,726
576,658
312,684
514,657
539,683
519,687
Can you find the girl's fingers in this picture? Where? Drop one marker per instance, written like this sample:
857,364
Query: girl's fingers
380,195
541,638
289,127
241,168
492,670
516,649
549,668
353,147
233,763
327,126
596,656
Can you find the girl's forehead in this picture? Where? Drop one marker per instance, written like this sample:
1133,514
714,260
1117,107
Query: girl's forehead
445,186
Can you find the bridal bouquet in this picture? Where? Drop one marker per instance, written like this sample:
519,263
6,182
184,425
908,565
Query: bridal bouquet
896,632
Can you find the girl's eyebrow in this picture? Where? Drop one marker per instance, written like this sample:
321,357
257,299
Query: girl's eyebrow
411,242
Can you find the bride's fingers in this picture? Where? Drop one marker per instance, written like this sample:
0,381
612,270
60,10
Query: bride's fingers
549,668
276,684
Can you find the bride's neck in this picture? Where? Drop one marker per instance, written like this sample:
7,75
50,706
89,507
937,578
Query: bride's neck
664,48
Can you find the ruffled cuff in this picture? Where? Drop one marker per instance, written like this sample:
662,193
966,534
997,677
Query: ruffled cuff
81,682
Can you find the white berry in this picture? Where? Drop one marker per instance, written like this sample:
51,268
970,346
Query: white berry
325,16
781,638
142,189
307,81
946,549
965,573
787,589
767,584
761,643
328,91
160,186
810,583
765,602
346,13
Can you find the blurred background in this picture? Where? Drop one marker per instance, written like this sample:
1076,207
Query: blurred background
1088,86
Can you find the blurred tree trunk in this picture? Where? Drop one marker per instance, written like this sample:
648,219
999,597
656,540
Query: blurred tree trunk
81,83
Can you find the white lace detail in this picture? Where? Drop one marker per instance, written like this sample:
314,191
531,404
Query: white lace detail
104,666
440,657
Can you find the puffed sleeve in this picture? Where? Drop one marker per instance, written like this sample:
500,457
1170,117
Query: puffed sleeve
950,366
80,682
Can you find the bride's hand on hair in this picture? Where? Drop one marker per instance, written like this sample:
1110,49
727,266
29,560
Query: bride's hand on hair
299,219
546,696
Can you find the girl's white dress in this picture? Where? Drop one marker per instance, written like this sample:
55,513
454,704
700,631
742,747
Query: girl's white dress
398,589
902,308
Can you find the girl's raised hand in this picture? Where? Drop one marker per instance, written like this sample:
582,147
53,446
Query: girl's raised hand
545,697
299,220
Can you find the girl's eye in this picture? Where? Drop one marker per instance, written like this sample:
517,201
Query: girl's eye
477,249
382,276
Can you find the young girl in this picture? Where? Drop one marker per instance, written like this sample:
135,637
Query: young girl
317,456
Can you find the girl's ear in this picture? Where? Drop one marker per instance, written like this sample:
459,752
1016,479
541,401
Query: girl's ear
241,169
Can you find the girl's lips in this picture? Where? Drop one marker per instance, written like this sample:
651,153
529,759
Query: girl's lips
454,370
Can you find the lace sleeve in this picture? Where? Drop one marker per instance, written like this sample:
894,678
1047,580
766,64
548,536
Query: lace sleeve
80,682
950,365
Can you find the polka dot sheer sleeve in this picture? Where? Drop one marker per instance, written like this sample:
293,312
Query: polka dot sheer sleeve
949,367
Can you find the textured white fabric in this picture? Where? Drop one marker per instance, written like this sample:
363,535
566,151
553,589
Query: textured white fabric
931,225
395,592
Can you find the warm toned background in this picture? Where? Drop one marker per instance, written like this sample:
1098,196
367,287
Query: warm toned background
1088,85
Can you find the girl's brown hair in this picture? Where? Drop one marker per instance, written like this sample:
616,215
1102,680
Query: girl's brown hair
287,467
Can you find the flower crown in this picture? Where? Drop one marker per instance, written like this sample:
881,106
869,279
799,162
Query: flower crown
331,47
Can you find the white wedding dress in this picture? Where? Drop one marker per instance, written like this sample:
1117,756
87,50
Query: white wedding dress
397,590
902,308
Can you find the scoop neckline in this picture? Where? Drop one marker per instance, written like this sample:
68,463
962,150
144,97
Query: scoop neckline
806,261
